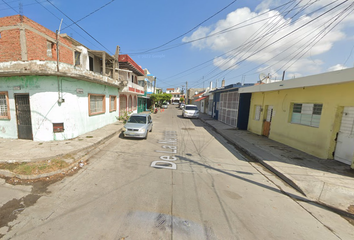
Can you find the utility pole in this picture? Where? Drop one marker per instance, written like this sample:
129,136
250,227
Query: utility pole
155,85
187,93
58,33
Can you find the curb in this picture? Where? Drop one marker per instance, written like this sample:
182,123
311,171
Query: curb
260,160
82,155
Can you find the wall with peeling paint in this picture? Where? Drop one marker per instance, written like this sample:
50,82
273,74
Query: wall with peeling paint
44,92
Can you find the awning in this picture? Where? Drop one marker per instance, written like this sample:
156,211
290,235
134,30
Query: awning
200,99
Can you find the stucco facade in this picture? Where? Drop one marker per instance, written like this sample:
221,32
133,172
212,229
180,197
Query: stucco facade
275,103
45,109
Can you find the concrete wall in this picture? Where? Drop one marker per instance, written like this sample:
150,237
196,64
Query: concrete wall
319,141
45,109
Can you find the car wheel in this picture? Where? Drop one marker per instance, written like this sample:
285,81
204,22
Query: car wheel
151,129
146,136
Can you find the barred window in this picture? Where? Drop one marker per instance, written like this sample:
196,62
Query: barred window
308,114
112,103
257,112
97,104
77,58
4,106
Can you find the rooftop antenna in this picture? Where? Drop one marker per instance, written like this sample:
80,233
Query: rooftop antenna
20,8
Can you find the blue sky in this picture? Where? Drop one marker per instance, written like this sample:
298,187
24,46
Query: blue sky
226,39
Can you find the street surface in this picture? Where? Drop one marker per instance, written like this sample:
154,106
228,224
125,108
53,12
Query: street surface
200,188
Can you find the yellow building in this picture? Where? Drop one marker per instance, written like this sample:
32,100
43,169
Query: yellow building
314,114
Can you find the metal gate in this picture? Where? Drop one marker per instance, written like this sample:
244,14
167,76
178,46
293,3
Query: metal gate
23,114
345,140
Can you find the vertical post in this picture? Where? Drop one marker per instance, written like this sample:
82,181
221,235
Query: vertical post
155,85
57,33
187,100
283,76
103,63
116,64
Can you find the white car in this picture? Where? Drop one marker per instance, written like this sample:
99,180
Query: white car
138,126
190,111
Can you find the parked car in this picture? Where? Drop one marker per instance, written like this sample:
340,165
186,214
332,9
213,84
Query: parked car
165,106
190,111
138,126
181,105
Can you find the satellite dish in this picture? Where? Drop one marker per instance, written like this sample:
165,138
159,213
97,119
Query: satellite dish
262,76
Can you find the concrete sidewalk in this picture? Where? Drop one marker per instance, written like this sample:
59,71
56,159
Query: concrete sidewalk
325,181
72,150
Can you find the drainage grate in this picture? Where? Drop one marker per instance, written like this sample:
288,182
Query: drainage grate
188,129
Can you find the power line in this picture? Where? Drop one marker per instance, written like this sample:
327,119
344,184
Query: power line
281,38
149,50
79,26
103,6
10,6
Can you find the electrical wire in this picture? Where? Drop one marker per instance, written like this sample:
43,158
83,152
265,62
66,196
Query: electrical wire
281,38
10,6
149,50
91,13
80,27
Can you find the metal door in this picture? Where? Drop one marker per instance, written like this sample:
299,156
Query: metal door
267,122
345,140
23,114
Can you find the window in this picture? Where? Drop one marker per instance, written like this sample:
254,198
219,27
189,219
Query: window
257,112
97,104
49,49
306,114
4,106
77,58
112,103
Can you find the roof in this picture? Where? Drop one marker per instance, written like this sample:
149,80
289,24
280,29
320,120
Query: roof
125,61
200,99
232,87
336,77
197,95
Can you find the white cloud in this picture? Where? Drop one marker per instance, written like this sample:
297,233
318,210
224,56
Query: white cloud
336,67
225,63
279,43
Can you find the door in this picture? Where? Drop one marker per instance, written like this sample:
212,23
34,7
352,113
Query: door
267,122
202,106
23,114
345,140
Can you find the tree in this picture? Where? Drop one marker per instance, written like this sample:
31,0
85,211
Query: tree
181,99
160,98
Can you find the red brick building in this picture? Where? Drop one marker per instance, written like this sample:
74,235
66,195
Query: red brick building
23,39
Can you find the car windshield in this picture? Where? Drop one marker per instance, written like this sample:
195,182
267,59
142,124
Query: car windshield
191,108
137,119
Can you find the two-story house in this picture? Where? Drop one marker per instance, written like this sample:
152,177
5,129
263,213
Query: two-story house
53,87
129,71
148,83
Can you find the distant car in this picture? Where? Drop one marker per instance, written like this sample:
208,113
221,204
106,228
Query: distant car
138,126
174,103
181,106
190,111
165,106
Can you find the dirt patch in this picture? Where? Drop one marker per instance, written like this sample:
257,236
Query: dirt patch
350,210
35,168
10,210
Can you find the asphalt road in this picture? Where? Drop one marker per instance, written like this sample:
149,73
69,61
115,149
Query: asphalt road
213,193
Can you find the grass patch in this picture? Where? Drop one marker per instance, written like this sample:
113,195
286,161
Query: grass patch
30,168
